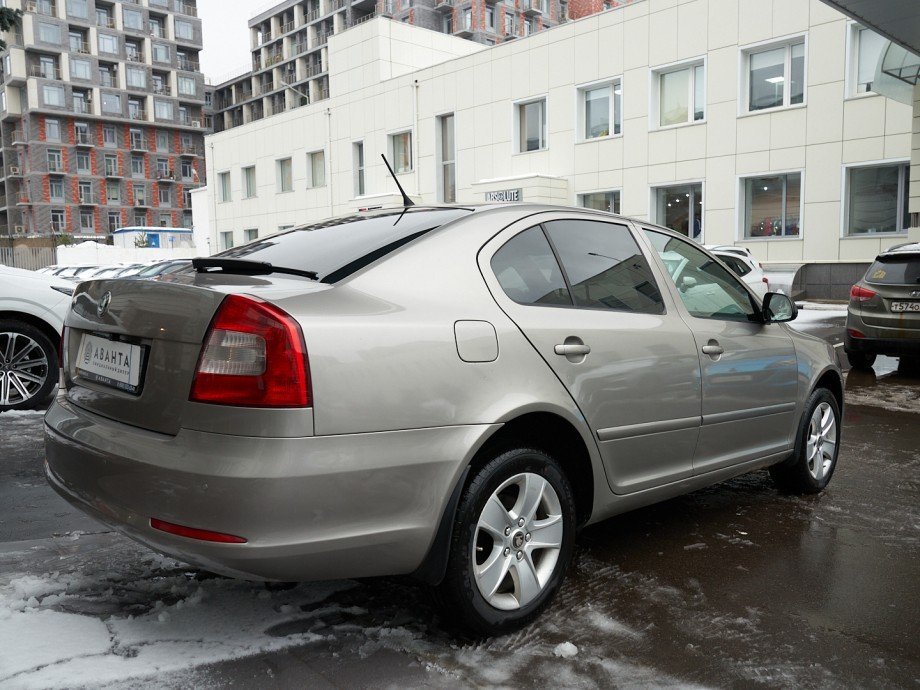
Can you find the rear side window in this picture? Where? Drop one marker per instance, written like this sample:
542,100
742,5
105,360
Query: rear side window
895,271
527,270
737,265
604,266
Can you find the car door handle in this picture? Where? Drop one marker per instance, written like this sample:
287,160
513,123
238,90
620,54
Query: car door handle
713,349
570,349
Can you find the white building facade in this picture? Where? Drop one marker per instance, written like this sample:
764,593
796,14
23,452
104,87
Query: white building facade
736,122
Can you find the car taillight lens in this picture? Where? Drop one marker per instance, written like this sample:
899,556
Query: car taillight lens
253,355
861,294
853,333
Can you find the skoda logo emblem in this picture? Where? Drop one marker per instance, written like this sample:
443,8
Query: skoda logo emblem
103,304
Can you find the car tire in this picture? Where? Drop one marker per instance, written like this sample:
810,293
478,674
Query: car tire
497,543
861,360
817,446
28,366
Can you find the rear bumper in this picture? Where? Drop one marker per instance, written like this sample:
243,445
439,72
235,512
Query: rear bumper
312,508
883,346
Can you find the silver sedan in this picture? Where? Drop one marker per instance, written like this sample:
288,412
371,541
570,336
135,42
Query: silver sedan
446,392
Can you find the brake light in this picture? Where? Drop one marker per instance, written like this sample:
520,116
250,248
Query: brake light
194,533
861,294
253,355
853,333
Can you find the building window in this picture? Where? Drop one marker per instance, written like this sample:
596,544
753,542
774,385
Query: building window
285,175
85,189
111,103
226,240
776,76
531,125
80,69
877,198
52,130
401,152
679,94
56,189
53,95
490,18
87,221
223,181
137,165
162,140
447,25
136,77
163,168
601,201
49,33
83,163
57,219
866,48
448,177
184,30
187,86
133,19
112,189
601,109
111,164
772,205
163,109
114,218
109,135
249,182
250,235
55,163
164,195
108,44
316,169
78,9
140,196
359,168
160,53
140,218
188,172
680,208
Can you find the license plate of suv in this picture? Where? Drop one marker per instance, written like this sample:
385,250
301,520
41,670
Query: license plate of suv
110,362
905,306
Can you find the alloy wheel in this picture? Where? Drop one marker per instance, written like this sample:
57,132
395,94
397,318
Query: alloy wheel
23,368
517,541
821,446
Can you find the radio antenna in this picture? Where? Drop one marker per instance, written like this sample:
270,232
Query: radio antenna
406,200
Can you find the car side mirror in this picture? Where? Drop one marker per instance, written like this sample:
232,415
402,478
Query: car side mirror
778,308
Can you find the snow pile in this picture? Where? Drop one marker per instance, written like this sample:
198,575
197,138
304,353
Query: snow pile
566,650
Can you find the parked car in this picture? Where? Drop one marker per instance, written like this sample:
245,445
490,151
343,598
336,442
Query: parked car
76,273
883,316
32,310
162,268
449,392
746,267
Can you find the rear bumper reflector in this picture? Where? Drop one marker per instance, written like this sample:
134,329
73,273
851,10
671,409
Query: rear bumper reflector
192,533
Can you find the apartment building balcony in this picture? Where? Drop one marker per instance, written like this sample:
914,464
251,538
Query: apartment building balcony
532,8
82,107
88,198
135,56
267,87
313,70
188,65
322,93
299,48
83,139
464,31
388,8
19,138
162,90
189,121
39,7
138,144
445,5
338,5
56,169
322,37
189,150
112,172
14,171
81,47
45,72
140,201
105,22
23,199
190,10
3,202
311,16
137,114
274,59
287,27
165,176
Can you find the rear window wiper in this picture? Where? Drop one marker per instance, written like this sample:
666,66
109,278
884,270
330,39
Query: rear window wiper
247,268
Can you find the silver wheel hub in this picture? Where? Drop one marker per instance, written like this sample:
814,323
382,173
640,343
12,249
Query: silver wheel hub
517,541
23,368
821,445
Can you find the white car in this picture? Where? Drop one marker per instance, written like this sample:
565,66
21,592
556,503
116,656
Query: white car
745,266
32,310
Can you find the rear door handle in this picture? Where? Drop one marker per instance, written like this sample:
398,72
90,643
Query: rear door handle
713,349
571,349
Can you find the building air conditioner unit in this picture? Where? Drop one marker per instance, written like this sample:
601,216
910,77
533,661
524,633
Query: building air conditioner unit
14,170
19,229
196,123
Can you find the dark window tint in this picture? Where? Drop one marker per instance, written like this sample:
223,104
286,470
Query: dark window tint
336,248
528,272
707,290
895,271
604,266
737,265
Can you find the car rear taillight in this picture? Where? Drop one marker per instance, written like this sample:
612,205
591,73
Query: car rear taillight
853,333
253,355
861,294
195,533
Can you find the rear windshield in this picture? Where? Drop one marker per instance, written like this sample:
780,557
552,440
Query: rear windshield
895,270
336,248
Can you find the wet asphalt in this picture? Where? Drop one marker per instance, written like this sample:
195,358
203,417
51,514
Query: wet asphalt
732,586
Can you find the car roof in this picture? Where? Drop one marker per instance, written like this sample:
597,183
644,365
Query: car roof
901,249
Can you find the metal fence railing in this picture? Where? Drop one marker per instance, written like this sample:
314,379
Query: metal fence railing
29,258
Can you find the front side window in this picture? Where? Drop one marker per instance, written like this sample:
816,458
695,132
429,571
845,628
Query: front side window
601,201
249,182
680,208
776,76
528,272
604,266
316,169
601,105
772,205
681,95
285,175
531,125
401,145
877,198
707,290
